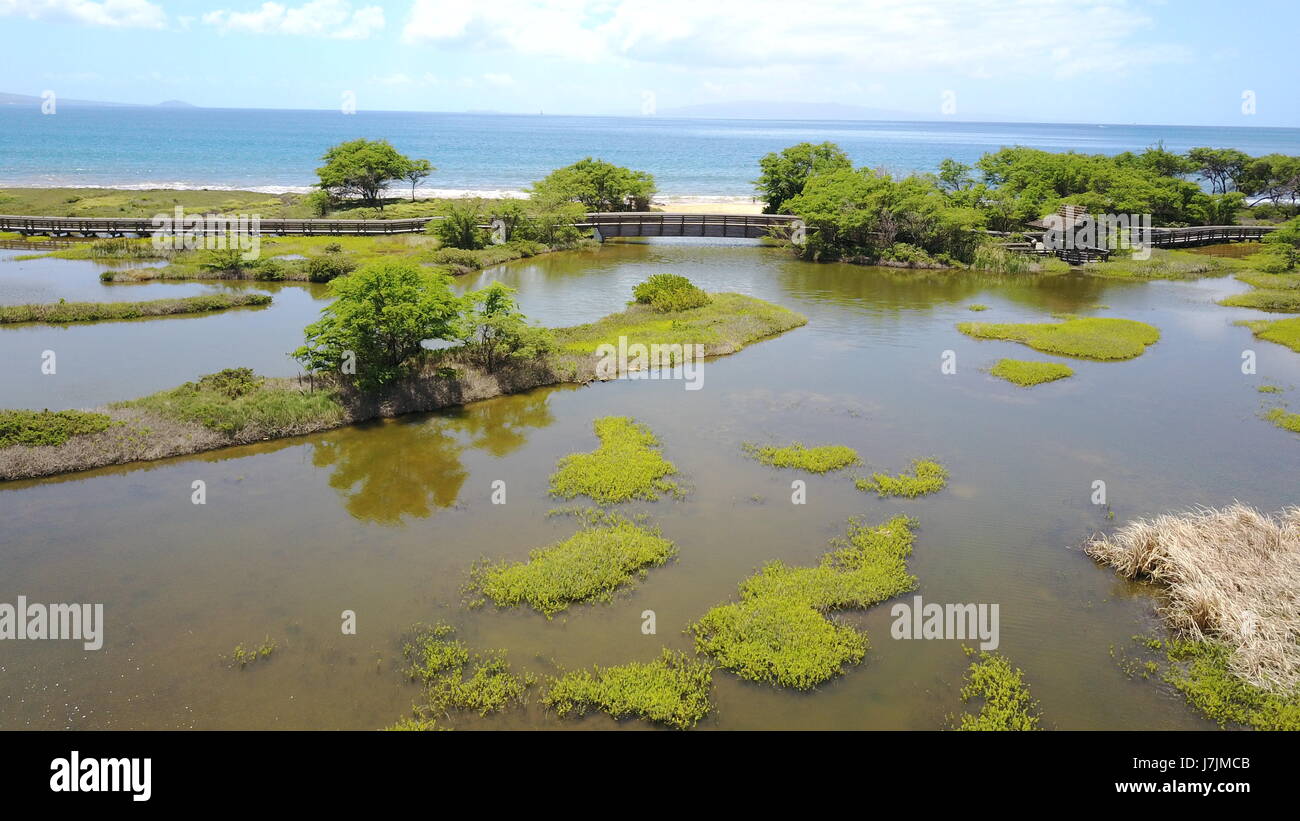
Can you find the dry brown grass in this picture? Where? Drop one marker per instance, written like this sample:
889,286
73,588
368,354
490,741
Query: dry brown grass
1233,576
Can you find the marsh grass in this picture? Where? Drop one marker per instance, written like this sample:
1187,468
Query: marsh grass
42,428
1164,263
1282,301
927,476
1230,575
673,690
1027,374
1270,282
629,464
1005,703
819,459
1101,338
234,399
977,306
1282,331
605,555
62,312
1201,671
778,632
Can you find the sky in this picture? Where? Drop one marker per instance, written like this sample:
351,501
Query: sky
1192,62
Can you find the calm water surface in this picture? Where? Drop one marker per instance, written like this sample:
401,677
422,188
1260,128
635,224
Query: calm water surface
385,519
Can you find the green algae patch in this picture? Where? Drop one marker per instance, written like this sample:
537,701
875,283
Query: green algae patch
588,566
820,459
1103,338
1282,331
1269,389
456,677
927,476
977,306
1287,301
1005,703
1284,419
673,690
778,632
629,464
726,324
1027,374
37,428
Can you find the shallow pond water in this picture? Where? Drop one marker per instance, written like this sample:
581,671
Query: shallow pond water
385,519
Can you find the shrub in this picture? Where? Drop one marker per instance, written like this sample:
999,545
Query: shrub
270,270
33,428
670,292
329,266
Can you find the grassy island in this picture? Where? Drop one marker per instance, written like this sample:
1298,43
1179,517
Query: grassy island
66,312
236,406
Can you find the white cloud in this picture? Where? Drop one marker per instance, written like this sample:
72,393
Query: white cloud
977,38
108,13
316,18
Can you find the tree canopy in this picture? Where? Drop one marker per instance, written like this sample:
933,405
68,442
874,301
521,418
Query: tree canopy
597,185
379,316
364,168
785,173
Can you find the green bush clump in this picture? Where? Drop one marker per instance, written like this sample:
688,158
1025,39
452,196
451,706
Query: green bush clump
672,690
326,267
588,566
37,428
669,292
820,459
927,476
778,631
1027,374
1007,703
977,306
1086,338
627,465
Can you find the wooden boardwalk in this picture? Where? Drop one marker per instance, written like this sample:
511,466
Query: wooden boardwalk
622,224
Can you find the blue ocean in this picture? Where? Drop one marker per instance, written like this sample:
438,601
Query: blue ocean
494,154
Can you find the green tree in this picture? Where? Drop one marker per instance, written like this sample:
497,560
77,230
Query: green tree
1222,167
597,185
494,328
417,170
785,174
380,314
955,176
362,168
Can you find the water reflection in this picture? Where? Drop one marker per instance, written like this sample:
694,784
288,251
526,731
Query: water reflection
411,466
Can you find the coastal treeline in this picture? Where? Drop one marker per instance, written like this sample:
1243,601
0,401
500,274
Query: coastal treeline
869,213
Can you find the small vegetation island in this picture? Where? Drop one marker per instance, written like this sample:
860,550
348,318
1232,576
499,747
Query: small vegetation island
1228,576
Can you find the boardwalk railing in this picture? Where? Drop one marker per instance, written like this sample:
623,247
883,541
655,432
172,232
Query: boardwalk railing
205,224
621,224
660,224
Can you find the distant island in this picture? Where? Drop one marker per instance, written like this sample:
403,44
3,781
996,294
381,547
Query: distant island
7,98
